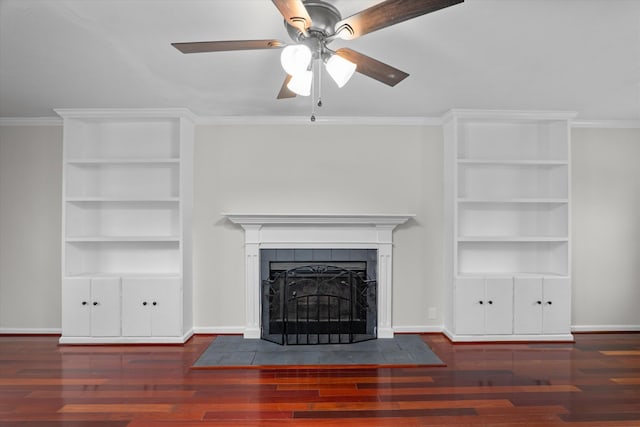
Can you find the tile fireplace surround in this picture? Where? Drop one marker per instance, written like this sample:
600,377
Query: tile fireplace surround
318,231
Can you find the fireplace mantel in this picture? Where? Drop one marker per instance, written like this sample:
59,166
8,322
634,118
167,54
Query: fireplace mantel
318,231
318,219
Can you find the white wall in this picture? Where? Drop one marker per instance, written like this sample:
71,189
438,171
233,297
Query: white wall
307,168
316,169
606,228
30,227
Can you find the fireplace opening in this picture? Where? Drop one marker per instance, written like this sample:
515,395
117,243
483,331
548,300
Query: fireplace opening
329,297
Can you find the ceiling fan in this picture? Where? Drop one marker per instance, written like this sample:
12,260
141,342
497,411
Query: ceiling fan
312,25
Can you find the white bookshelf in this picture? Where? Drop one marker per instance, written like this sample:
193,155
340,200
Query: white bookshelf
507,207
127,203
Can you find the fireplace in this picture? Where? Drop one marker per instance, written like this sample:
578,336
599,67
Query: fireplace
318,232
318,296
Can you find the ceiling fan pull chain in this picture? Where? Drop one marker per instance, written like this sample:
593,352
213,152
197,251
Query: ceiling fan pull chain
313,94
319,104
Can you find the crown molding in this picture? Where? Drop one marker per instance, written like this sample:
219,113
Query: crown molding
125,113
461,113
606,124
30,121
320,120
218,120
291,120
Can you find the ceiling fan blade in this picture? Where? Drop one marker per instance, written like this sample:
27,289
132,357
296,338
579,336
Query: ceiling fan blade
385,14
294,13
227,45
285,92
372,67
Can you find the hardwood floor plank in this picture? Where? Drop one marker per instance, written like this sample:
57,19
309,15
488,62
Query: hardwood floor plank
115,408
247,415
626,380
387,413
521,410
34,382
425,404
66,423
621,353
424,391
110,394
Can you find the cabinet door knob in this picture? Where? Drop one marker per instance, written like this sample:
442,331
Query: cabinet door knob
144,303
490,302
480,302
84,303
549,302
538,302
95,303
155,303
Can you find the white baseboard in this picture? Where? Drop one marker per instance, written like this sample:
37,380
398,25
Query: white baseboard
418,329
605,328
222,330
121,340
30,331
187,336
509,338
219,330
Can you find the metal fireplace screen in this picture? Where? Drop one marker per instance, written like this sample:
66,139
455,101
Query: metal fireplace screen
318,303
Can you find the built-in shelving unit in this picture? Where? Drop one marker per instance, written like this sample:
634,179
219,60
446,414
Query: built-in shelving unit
507,207
127,203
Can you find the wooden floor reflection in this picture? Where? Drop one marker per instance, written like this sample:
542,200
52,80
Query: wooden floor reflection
592,382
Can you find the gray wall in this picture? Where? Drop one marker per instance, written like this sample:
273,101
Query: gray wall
30,227
317,169
326,169
606,228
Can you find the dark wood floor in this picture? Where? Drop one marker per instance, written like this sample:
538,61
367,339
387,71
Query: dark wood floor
594,382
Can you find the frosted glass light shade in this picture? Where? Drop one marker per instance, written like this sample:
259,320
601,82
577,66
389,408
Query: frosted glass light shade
340,69
295,59
301,83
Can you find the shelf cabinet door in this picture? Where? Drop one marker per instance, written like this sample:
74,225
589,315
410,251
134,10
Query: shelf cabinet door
151,307
469,312
498,305
556,310
528,302
76,307
91,307
105,307
166,313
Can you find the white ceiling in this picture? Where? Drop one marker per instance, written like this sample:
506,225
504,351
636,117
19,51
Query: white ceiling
577,55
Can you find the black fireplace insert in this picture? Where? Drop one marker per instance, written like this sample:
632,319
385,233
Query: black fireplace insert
329,298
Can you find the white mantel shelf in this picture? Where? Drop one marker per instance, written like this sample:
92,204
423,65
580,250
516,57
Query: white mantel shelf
321,231
309,219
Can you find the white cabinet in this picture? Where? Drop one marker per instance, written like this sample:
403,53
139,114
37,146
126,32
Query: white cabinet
151,307
542,305
484,306
91,307
127,206
507,206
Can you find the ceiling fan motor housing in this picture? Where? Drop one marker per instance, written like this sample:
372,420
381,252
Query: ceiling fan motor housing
324,18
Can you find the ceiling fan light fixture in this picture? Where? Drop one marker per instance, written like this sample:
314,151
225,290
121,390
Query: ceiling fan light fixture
340,69
295,59
300,83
